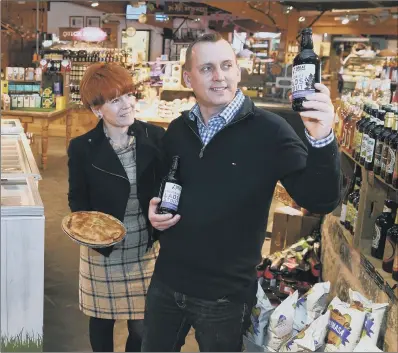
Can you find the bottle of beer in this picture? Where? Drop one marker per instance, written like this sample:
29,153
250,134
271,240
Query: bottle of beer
374,134
170,190
388,120
359,132
306,71
382,224
395,266
366,130
390,247
392,151
350,189
350,204
386,148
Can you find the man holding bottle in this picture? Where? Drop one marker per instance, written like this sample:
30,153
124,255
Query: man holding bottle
231,155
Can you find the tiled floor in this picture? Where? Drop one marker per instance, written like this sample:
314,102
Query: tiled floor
65,327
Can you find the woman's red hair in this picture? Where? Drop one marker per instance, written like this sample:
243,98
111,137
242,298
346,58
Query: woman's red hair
103,82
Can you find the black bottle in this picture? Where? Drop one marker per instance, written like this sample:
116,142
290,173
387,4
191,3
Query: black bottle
366,130
382,224
170,190
385,155
389,117
306,71
373,136
390,247
362,124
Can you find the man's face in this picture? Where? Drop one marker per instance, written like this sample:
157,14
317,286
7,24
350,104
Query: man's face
214,74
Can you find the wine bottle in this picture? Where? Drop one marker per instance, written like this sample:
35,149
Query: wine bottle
306,71
380,141
170,190
390,247
382,224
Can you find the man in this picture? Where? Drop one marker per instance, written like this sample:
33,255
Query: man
231,157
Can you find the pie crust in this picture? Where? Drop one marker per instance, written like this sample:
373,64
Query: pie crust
92,227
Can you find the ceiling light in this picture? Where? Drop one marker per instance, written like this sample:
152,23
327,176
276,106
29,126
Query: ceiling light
345,21
94,4
301,19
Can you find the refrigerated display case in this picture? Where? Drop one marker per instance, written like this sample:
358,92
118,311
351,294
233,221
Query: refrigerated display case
22,265
11,126
17,158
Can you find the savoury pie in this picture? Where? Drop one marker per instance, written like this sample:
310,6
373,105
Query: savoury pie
93,227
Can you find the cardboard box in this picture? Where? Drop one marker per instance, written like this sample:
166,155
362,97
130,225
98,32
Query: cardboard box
289,226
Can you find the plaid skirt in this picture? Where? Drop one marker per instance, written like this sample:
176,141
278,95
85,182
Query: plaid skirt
115,287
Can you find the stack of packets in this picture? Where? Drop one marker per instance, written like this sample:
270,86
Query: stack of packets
308,324
297,267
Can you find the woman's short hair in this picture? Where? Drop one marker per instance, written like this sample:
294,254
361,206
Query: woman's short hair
103,82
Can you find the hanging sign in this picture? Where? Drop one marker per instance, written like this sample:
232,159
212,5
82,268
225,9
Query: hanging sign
87,34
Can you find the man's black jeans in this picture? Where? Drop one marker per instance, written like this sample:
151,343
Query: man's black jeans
219,325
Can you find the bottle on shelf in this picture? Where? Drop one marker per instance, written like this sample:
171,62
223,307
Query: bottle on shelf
374,135
350,203
390,247
386,147
388,120
382,224
355,204
306,71
366,130
395,267
359,132
350,189
392,151
170,190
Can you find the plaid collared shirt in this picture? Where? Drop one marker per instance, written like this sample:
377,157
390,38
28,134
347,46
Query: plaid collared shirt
218,122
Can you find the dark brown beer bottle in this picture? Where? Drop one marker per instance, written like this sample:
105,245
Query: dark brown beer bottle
306,71
382,224
390,247
170,190
389,117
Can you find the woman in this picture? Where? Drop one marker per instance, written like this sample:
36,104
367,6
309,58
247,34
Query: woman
114,169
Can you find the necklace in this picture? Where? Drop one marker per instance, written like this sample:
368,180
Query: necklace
119,146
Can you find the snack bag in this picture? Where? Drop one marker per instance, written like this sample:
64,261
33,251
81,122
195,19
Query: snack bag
311,305
366,345
345,326
260,317
311,338
281,323
374,315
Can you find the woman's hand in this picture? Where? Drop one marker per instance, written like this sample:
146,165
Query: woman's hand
160,221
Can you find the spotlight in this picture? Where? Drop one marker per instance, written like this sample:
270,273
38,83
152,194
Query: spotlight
301,19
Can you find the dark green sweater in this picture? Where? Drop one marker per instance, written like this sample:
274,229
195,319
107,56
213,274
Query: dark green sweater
226,194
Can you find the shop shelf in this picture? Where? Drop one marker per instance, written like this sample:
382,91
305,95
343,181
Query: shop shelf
344,151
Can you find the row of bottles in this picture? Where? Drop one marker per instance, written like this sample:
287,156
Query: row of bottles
385,234
385,238
112,55
375,142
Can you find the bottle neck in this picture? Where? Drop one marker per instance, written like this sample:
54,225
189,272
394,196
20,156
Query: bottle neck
396,218
306,42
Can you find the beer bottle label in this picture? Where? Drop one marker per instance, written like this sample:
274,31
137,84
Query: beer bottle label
349,212
370,149
343,213
384,157
354,223
390,161
376,237
303,80
378,152
364,145
171,196
358,141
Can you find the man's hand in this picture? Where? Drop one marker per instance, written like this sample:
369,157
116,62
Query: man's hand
160,221
319,120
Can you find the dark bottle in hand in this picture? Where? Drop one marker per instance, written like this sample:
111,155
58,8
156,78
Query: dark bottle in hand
306,71
170,190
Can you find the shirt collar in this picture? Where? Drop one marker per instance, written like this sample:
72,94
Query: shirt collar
228,113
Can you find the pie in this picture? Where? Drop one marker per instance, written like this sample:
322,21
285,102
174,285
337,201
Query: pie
92,227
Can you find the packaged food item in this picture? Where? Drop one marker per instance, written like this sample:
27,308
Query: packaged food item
309,339
280,325
366,345
374,315
311,305
260,315
345,326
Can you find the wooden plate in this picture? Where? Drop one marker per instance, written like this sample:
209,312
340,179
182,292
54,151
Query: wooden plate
99,221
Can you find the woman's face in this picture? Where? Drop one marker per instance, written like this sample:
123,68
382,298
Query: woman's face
118,112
